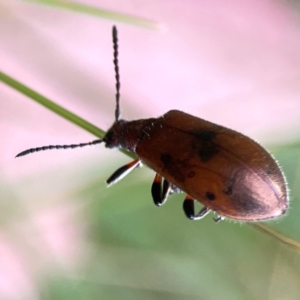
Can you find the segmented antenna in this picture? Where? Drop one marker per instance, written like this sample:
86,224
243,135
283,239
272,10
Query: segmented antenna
51,147
117,112
117,75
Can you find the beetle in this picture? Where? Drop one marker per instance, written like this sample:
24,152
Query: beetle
226,171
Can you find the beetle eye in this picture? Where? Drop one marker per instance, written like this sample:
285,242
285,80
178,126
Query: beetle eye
108,139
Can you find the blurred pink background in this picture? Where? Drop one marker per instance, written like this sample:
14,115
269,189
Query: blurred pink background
235,63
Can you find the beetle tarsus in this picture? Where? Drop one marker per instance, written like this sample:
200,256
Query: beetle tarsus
218,219
166,190
202,213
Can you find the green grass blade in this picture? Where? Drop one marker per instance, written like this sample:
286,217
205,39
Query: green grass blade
277,235
102,13
66,114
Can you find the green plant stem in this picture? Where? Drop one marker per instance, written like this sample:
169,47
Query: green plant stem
46,102
101,13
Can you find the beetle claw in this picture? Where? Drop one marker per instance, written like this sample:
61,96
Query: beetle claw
218,219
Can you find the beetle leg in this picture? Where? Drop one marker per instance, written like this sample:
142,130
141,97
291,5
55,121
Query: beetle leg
160,192
174,189
166,190
156,190
123,171
189,209
218,219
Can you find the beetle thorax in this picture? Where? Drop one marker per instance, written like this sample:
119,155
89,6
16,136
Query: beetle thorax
126,134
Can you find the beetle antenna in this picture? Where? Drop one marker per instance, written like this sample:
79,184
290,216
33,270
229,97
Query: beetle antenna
32,150
117,75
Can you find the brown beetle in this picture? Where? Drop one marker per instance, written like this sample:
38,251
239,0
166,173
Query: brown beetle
224,170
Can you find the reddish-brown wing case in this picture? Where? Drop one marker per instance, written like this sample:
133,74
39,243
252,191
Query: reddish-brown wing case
221,168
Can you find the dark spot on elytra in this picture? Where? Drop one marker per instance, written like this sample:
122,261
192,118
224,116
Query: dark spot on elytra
166,159
207,151
210,196
194,146
269,172
206,135
244,204
191,174
228,190
174,167
179,177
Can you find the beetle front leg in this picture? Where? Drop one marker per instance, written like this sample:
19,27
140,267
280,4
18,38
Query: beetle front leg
189,209
123,171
